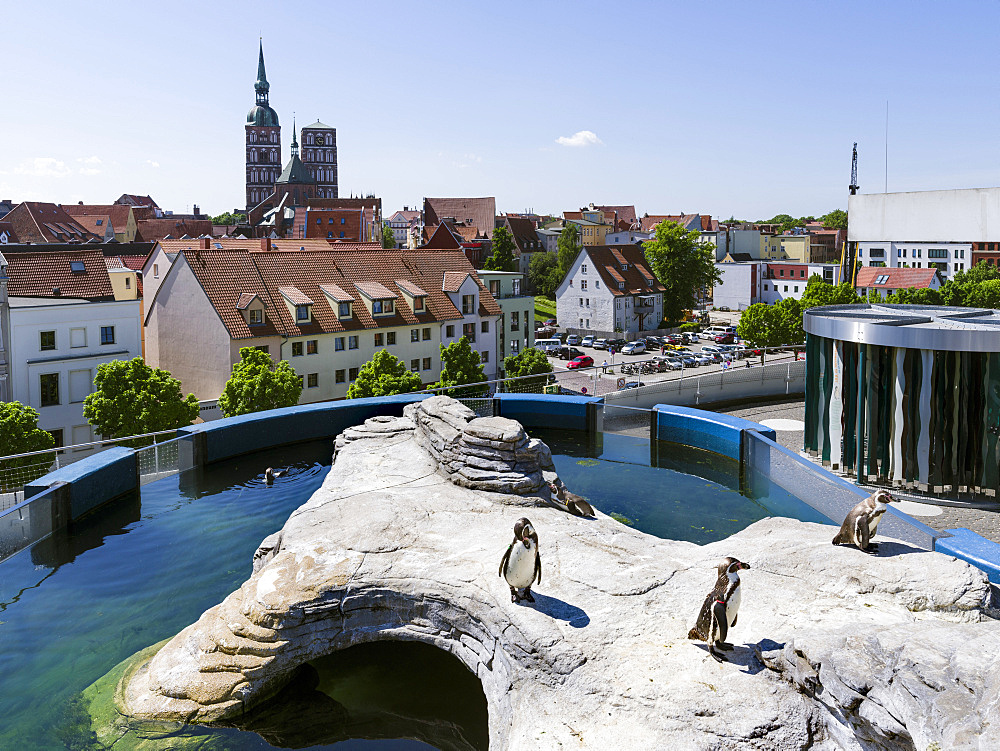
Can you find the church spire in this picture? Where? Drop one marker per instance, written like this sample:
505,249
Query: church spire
295,140
261,86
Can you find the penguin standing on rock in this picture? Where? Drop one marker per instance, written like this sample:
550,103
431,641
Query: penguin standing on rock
720,609
860,525
575,504
522,564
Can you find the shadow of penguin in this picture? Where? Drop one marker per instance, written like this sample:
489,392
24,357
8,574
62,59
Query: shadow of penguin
561,610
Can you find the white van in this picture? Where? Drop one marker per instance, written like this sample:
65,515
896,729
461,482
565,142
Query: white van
548,346
714,331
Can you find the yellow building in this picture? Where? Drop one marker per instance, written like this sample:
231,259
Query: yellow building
788,248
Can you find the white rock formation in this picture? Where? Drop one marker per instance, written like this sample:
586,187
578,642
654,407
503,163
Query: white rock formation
834,648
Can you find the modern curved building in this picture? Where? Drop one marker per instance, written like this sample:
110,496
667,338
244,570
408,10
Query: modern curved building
905,395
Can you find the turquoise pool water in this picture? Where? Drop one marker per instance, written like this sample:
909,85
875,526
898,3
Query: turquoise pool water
79,602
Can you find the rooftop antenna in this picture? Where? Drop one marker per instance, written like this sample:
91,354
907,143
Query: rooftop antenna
854,187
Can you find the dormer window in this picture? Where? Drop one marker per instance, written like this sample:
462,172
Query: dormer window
621,285
301,312
256,316
649,282
77,267
383,307
418,305
343,310
624,267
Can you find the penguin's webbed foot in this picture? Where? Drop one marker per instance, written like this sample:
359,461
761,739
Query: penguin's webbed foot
724,645
513,595
527,595
717,656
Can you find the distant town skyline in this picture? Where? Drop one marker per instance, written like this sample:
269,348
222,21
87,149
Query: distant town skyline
723,109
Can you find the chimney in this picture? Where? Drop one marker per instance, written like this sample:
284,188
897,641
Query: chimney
196,211
265,243
205,243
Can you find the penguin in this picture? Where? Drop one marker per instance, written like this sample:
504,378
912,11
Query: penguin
861,523
720,609
270,474
522,564
575,504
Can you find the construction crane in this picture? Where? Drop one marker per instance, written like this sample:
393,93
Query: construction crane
848,257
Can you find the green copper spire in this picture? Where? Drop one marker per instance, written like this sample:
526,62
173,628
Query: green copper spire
261,86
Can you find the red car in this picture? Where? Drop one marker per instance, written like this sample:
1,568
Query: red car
583,361
725,339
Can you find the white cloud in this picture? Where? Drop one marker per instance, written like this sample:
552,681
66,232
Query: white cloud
151,163
90,160
580,138
42,166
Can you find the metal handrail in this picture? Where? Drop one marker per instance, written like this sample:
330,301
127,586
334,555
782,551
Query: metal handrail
60,449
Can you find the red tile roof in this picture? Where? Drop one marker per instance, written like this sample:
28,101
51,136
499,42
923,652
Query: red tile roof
227,275
525,235
7,227
38,222
118,213
96,223
648,223
609,260
40,274
375,291
130,199
453,281
897,278
149,230
441,238
477,212
410,287
295,296
621,213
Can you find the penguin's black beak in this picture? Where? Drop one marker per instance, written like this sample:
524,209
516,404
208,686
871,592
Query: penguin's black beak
744,565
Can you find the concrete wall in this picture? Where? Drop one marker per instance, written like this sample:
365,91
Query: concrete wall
721,434
740,285
970,215
545,411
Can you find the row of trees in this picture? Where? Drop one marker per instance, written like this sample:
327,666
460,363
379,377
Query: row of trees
780,324
547,270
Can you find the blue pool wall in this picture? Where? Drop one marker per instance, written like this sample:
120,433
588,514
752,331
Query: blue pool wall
114,472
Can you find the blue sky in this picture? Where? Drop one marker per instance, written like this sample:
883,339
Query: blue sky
723,108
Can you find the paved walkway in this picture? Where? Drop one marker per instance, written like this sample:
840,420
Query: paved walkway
786,418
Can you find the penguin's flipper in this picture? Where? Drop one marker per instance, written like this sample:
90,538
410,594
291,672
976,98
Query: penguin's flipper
506,559
861,534
735,618
538,565
719,619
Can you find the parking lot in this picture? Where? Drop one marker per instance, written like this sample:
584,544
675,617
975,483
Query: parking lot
606,375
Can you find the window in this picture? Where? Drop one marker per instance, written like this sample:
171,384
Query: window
301,312
128,282
49,383
312,380
583,284
427,363
418,304
796,289
340,376
266,349
802,273
47,340
583,269
495,287
379,340
581,302
296,349
338,344
621,285
786,288
414,335
877,253
81,384
343,221
469,332
515,321
485,327
415,364
782,272
390,338
484,357
597,284
881,279
312,346
937,253
57,436
77,267
352,342
515,346
107,334
256,316
427,334
344,310
353,374
468,305
588,302
449,331
78,337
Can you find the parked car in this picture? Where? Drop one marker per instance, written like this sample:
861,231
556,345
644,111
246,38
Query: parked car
634,348
588,341
572,339
705,359
689,361
634,384
600,344
580,361
690,337
732,350
550,322
568,353
724,309
667,363
672,339
617,344
725,339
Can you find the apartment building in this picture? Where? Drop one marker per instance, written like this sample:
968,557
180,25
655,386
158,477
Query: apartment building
516,329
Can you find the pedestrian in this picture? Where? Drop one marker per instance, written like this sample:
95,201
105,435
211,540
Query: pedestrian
604,366
748,363
663,349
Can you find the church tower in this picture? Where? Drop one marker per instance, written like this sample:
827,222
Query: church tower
263,142
319,155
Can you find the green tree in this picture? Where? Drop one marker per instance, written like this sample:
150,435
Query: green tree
819,292
503,252
460,364
258,384
228,218
383,375
388,236
683,264
913,296
836,219
757,325
984,295
543,274
20,434
788,322
528,362
132,398
569,248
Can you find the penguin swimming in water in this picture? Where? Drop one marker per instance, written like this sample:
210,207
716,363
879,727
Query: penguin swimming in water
575,504
270,474
861,523
522,564
719,611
